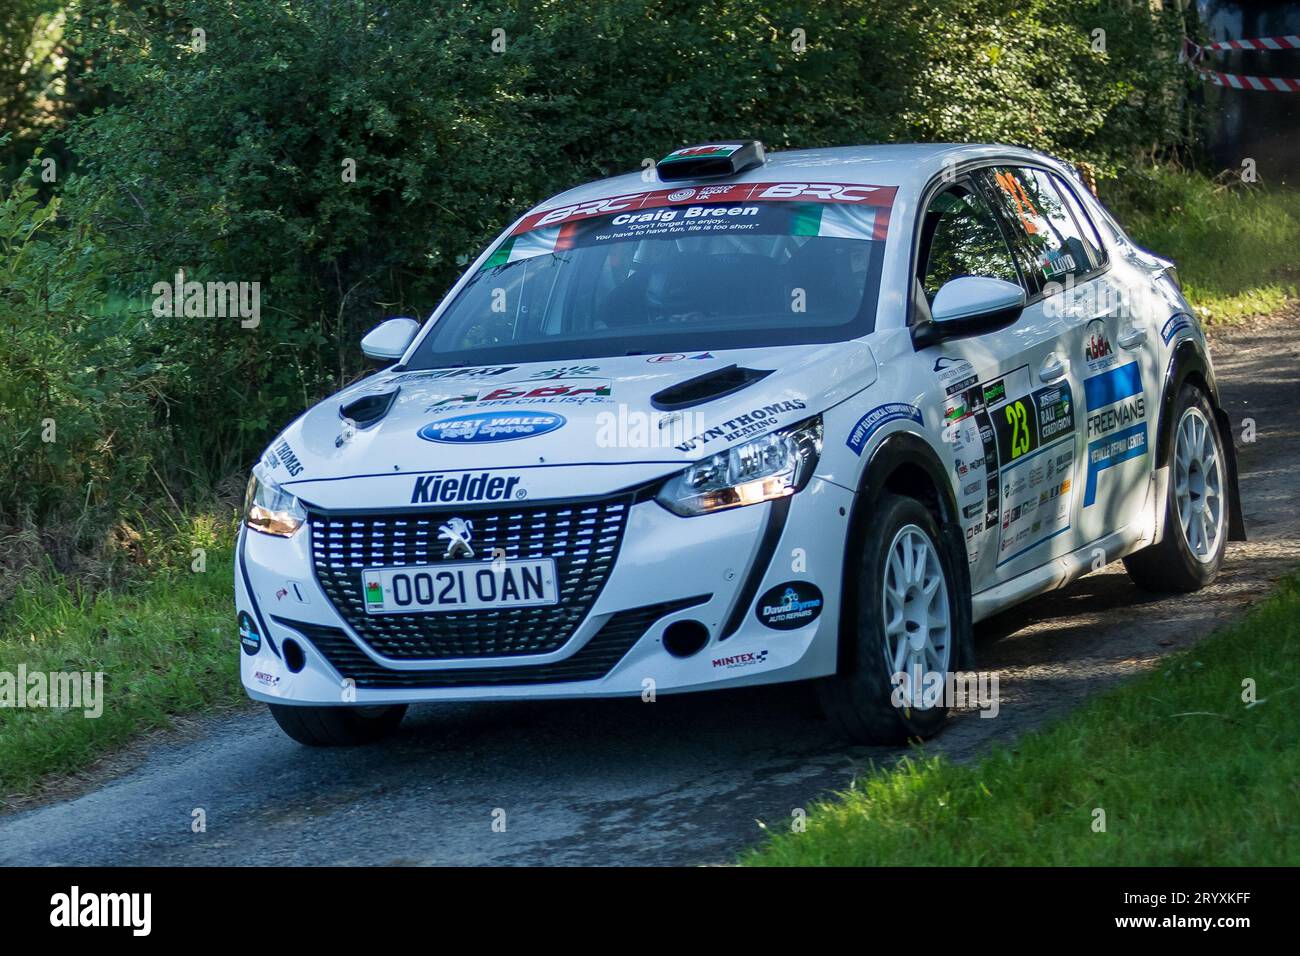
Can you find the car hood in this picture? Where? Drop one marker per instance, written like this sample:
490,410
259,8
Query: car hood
666,409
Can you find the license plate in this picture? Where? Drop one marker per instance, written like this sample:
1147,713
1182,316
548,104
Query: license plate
464,586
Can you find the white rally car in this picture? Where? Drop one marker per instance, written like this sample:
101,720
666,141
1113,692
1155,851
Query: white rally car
743,419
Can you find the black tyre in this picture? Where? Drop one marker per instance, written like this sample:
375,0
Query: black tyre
1190,553
337,726
904,618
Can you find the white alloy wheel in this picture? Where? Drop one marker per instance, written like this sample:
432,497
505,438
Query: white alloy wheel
918,622
1198,485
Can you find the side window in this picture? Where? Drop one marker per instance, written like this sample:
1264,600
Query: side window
961,237
1091,237
1048,242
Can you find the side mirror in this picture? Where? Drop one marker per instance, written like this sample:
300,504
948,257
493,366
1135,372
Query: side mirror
968,305
388,340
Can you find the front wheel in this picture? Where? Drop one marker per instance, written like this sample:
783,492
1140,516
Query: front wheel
1196,504
337,726
907,628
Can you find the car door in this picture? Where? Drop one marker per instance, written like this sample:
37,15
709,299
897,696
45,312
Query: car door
1102,335
1004,396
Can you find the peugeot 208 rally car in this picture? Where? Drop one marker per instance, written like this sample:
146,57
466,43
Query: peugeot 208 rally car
762,419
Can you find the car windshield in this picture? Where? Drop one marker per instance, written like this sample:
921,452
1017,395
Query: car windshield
671,279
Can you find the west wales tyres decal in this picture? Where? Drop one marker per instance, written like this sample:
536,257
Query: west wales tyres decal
878,417
485,427
1178,322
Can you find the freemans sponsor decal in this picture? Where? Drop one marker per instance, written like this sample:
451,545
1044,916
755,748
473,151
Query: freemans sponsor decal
1117,427
490,427
878,417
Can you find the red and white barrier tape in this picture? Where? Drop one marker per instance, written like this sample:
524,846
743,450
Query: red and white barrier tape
1192,54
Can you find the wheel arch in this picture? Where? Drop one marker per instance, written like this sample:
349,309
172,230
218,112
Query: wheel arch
905,464
1189,365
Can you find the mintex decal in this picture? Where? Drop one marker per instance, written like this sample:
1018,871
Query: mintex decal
880,197
1117,425
877,418
1178,322
744,659
789,606
490,427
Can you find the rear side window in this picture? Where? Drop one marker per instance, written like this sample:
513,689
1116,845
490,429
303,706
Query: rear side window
962,238
1091,237
1049,243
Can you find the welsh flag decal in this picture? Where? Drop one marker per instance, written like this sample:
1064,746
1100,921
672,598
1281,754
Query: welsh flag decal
374,594
720,150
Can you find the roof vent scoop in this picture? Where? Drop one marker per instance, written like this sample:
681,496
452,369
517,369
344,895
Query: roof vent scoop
368,409
707,387
711,161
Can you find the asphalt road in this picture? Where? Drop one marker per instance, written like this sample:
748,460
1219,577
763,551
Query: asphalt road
680,781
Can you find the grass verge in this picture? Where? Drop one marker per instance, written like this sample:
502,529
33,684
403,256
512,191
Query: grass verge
164,642
1186,772
1234,243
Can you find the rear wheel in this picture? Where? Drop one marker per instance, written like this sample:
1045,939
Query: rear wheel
337,726
906,628
1196,505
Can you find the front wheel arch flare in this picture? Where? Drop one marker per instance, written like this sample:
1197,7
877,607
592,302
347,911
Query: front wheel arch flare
1189,364
895,466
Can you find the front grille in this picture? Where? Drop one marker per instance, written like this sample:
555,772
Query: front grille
583,538
592,661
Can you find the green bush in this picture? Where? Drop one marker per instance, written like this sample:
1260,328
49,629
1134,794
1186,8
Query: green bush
75,416
225,151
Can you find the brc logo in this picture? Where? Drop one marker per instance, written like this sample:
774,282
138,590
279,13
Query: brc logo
827,192
591,208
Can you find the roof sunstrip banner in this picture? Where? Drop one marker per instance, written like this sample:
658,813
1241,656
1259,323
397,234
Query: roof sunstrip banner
880,198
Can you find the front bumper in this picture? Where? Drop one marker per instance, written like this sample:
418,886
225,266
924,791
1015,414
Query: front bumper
712,569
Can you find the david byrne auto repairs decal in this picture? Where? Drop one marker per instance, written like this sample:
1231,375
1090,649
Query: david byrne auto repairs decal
1117,426
790,605
1013,454
485,427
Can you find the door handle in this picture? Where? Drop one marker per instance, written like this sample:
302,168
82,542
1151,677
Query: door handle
1055,367
1132,337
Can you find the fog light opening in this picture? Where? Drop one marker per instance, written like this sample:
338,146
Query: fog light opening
294,658
684,638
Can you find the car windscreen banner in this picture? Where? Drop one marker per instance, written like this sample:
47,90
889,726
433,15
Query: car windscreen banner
837,210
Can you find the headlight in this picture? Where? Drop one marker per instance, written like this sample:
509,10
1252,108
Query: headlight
772,466
270,509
